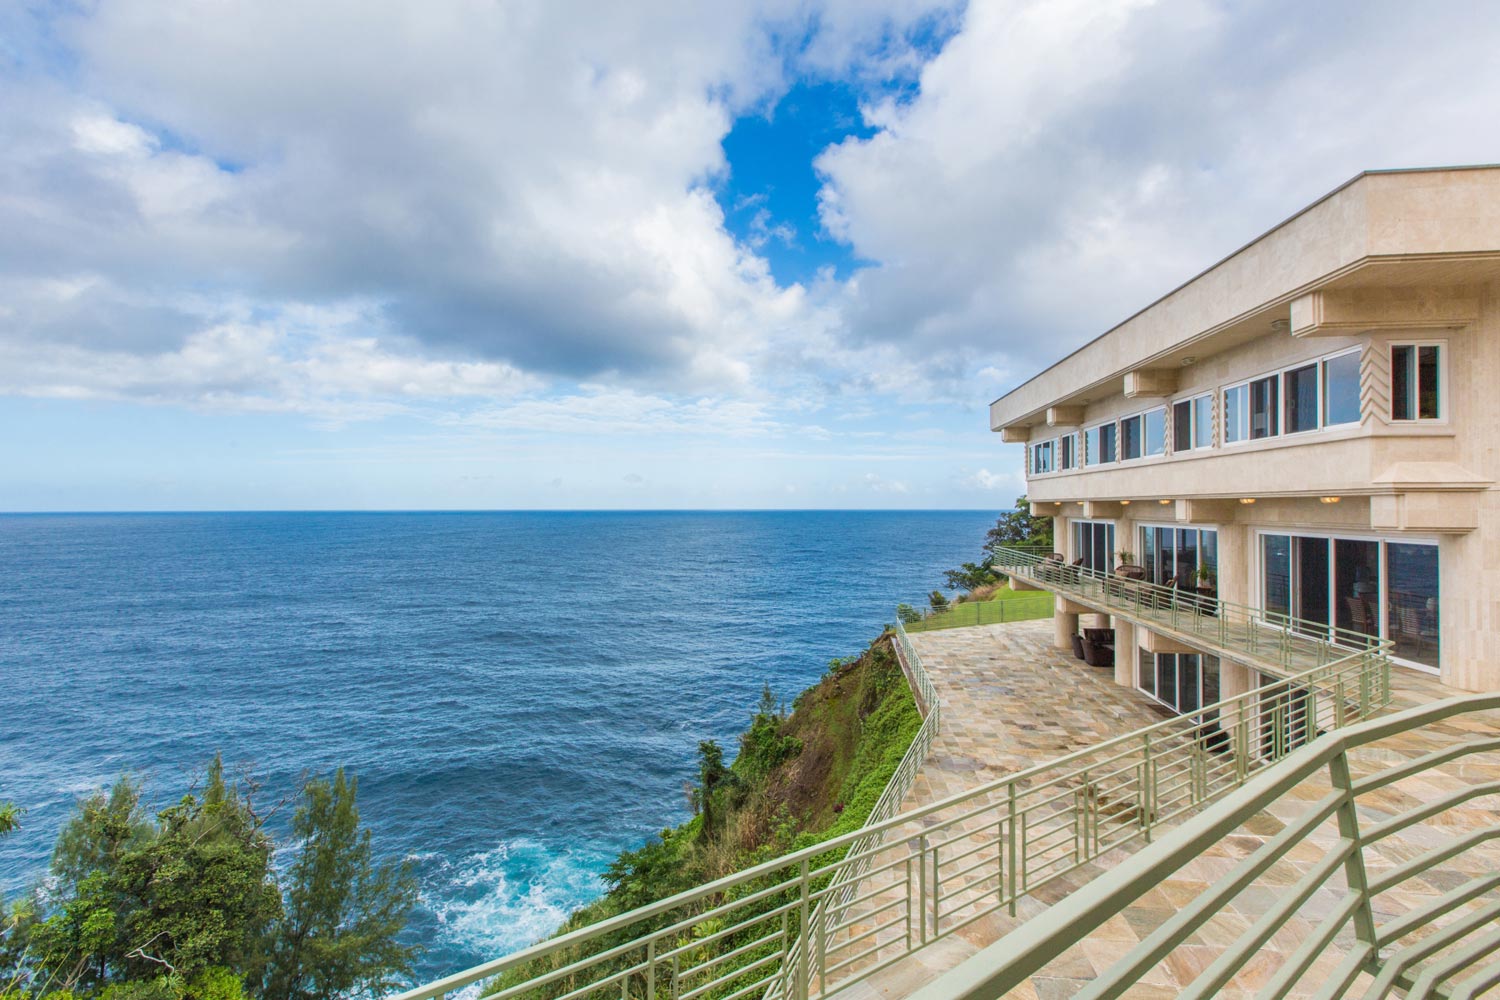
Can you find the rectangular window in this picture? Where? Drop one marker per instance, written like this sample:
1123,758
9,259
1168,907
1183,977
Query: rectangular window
1182,426
1093,545
1263,408
1067,444
1236,414
1348,589
1091,446
1341,389
1203,422
1041,457
1301,394
1107,435
1415,377
1130,438
1154,432
1146,669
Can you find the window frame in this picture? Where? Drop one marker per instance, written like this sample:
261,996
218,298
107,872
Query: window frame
1191,402
1038,449
1257,558
1097,429
1279,376
1442,378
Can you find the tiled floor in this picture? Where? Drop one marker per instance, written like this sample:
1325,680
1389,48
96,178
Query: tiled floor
1011,701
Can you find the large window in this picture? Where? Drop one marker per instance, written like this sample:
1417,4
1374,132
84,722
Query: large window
1416,382
1154,434
1345,588
1186,558
1099,444
1182,681
1323,392
1067,451
1094,545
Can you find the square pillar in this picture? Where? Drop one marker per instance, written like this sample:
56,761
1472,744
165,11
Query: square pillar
1066,623
1125,654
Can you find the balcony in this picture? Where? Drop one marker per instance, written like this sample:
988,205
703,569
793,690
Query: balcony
1278,645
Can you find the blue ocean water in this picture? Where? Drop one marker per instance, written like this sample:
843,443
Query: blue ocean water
519,694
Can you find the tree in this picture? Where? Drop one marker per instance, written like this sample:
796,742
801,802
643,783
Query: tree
10,818
344,914
1018,527
713,777
972,576
162,907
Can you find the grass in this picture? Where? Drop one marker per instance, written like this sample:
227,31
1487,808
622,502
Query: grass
1000,605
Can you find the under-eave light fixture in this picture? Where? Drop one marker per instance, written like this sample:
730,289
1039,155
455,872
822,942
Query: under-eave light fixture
1124,503
1330,499
1247,500
1163,502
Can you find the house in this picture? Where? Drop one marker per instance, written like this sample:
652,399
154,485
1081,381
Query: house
1302,440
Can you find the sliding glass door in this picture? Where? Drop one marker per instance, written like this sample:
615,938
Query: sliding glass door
1346,588
1094,545
1187,558
1182,681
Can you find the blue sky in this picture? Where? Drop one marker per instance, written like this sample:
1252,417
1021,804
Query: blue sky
764,254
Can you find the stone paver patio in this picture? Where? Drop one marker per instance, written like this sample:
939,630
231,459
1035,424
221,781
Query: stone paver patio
1010,700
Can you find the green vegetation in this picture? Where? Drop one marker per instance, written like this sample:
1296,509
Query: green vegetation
184,905
989,605
1016,527
799,779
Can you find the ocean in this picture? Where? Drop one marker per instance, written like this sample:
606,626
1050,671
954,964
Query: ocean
519,694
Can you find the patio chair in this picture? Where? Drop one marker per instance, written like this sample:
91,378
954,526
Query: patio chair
1099,647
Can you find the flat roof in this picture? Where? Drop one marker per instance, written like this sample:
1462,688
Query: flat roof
1236,253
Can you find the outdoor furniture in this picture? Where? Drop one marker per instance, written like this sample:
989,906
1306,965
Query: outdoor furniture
1078,646
1051,568
1099,647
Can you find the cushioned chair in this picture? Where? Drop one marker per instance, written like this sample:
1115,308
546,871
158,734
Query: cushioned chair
1099,647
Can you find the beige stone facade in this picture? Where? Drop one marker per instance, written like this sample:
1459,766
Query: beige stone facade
1325,405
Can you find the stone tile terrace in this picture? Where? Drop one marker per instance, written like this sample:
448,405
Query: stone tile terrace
1011,700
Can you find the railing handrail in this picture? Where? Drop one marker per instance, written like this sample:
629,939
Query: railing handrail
1043,938
1021,779
1298,630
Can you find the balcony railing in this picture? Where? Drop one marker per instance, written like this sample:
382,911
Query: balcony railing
1418,941
1279,644
819,919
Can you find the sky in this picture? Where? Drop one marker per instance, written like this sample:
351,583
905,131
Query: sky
543,254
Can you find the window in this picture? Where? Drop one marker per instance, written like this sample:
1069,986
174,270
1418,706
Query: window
1154,432
1192,423
1099,444
1067,447
1107,435
1236,414
1302,399
1094,545
1130,438
1184,681
1042,456
1263,408
1203,421
1346,589
1182,425
1416,392
1186,558
1341,389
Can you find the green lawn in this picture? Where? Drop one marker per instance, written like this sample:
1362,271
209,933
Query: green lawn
1006,606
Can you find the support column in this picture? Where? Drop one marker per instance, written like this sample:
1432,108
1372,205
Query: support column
1125,654
1067,627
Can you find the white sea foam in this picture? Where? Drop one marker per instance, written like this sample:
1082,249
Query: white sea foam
501,900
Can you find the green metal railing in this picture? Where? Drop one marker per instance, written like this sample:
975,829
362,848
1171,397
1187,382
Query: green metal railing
1441,938
821,918
1024,606
1279,644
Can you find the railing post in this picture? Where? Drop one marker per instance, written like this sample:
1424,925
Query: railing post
1010,844
922,888
1354,866
651,968
804,934
1148,786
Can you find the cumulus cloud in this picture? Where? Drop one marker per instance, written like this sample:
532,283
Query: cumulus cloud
1063,163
